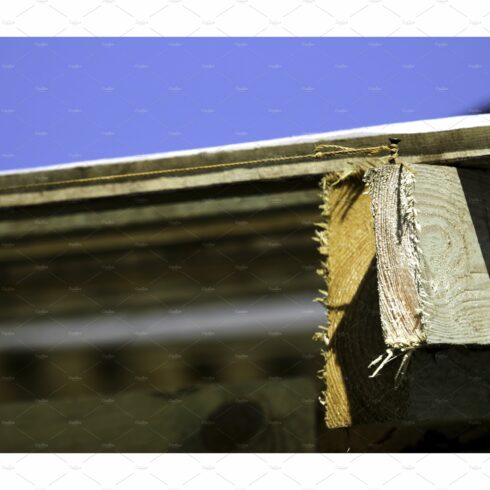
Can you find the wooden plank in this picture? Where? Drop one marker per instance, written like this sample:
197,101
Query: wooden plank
444,385
55,222
454,147
354,334
268,416
397,255
168,233
433,252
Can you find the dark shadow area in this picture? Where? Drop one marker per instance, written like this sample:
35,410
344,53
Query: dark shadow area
476,187
358,340
440,382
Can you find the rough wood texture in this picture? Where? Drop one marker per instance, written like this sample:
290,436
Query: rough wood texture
354,331
433,249
440,385
238,208
391,189
454,211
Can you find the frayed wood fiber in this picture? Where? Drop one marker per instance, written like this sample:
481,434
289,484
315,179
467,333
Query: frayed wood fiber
433,250
353,336
399,284
440,226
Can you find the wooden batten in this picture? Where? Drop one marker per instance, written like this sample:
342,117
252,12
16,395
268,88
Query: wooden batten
286,158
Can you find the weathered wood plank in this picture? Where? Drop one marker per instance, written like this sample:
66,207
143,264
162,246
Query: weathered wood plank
453,209
57,223
391,189
167,233
433,249
354,332
439,385
452,147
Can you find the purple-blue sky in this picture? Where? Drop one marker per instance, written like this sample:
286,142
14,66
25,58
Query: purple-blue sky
70,99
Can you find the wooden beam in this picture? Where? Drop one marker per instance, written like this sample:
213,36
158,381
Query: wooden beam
433,253
353,328
22,224
449,384
464,147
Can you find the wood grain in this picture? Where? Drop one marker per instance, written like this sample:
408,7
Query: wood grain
432,238
391,189
453,210
441,384
354,329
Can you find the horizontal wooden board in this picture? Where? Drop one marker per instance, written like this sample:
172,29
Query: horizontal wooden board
59,223
452,147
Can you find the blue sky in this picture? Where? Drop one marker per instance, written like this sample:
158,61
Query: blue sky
71,99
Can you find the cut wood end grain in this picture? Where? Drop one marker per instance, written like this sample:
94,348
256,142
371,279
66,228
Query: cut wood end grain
405,266
433,248
353,336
